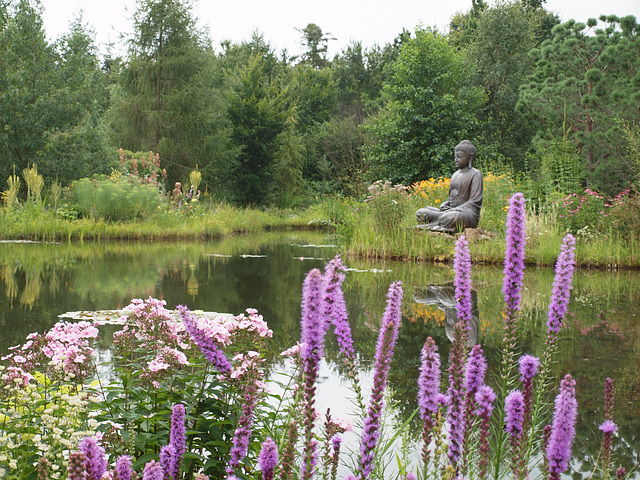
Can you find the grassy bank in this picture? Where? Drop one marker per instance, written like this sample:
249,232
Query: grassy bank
207,221
381,227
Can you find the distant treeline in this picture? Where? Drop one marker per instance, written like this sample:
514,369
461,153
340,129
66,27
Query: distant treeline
557,102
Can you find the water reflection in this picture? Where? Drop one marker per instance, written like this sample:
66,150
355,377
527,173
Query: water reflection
444,297
602,338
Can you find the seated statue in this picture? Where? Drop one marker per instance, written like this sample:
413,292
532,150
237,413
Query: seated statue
462,209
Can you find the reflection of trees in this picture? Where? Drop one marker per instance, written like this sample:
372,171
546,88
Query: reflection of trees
105,276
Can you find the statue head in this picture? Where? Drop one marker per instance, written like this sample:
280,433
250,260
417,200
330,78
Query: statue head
469,148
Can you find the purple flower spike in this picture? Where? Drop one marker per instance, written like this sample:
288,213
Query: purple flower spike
152,471
462,281
528,367
123,467
514,255
207,345
456,407
168,461
336,309
429,380
514,413
384,353
562,429
178,434
476,369
268,458
312,337
428,391
608,426
562,284
485,397
96,461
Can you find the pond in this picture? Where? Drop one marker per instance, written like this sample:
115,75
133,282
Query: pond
39,282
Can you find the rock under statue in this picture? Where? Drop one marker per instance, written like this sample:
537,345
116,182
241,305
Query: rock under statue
462,208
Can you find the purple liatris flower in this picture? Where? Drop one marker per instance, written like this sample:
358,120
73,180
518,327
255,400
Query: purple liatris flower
313,326
562,284
268,458
562,429
462,281
514,409
123,467
456,416
476,369
429,380
95,462
178,433
206,344
152,471
608,426
514,255
428,391
384,353
484,397
335,307
75,469
168,459
528,367
514,413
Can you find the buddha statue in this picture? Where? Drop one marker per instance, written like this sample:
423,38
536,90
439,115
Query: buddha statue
462,209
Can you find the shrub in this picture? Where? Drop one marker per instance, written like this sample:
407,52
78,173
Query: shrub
106,199
387,204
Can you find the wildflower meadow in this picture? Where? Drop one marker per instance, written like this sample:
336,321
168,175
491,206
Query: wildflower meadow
188,395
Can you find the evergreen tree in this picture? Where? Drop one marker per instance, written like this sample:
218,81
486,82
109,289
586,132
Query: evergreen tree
167,99
587,78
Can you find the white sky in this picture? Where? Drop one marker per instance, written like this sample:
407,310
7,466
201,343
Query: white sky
369,21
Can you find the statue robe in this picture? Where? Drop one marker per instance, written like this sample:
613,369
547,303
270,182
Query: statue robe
461,210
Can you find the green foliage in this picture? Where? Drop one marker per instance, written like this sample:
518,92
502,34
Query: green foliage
122,201
429,110
498,54
340,142
166,99
387,205
49,92
258,111
586,76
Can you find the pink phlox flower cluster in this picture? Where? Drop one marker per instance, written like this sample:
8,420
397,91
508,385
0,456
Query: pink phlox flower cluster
66,345
217,328
16,377
293,351
247,366
253,323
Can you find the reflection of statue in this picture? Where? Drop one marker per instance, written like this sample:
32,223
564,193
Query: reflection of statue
462,209
444,296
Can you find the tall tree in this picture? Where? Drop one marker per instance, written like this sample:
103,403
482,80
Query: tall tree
28,103
258,112
317,44
166,99
77,147
499,55
587,77
429,109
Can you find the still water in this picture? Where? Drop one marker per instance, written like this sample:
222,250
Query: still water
39,282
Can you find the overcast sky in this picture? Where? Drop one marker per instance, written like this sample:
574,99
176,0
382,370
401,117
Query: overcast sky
369,21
